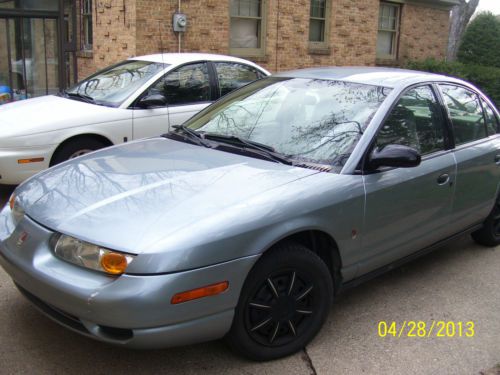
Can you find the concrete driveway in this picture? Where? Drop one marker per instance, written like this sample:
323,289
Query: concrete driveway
460,282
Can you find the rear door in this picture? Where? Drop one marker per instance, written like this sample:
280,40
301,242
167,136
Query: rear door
233,75
408,209
477,154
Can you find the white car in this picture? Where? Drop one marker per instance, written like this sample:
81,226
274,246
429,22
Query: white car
140,97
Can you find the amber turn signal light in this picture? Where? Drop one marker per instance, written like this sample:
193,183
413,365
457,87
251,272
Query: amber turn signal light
205,291
32,160
11,201
114,263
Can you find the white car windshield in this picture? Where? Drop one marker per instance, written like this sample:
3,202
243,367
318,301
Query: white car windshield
307,120
113,85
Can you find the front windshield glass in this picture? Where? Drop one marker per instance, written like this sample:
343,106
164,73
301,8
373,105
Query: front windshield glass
308,120
112,86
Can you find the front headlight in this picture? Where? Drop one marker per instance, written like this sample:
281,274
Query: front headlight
91,256
15,209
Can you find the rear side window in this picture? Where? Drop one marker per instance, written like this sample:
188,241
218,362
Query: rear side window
491,119
233,75
466,113
416,121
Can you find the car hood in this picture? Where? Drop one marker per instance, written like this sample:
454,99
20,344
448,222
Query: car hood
131,196
49,113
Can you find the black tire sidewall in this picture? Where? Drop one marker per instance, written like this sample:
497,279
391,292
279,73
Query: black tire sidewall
75,145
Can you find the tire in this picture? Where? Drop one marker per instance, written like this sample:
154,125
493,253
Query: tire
76,147
489,234
284,302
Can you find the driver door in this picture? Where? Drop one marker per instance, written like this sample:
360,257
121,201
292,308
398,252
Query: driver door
187,91
408,209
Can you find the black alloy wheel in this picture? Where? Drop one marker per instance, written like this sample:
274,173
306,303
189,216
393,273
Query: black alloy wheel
283,304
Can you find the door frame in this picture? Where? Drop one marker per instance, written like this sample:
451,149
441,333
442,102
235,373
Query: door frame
63,46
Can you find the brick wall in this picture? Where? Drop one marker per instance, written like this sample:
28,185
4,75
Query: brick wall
424,33
124,28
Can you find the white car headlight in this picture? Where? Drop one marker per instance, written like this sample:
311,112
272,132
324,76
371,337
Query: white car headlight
15,209
91,256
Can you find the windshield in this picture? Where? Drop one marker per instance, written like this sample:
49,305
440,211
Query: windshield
112,86
308,120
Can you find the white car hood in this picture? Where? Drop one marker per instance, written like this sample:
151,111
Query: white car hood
50,113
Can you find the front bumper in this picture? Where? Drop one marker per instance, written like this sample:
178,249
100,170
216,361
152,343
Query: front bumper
130,310
13,173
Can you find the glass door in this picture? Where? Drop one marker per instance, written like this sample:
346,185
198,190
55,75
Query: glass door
29,58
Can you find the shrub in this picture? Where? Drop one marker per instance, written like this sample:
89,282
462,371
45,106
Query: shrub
481,42
485,78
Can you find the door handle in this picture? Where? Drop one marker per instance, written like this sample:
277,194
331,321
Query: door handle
443,179
497,159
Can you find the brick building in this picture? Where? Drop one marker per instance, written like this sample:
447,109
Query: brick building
48,44
277,34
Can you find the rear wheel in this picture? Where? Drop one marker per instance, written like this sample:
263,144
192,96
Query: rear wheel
76,147
283,304
489,234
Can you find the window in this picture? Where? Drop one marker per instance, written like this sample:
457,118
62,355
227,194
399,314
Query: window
388,30
247,27
416,121
233,75
491,118
465,112
310,120
317,21
113,85
187,85
87,24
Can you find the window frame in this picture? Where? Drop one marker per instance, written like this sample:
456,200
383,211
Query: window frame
396,32
251,52
87,18
448,114
325,42
449,145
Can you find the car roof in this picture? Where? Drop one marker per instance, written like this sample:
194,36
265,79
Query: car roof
182,58
387,77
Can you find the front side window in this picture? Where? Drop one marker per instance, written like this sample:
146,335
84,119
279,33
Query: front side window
308,120
247,23
189,84
112,86
466,113
416,121
388,29
87,38
317,21
233,75
491,118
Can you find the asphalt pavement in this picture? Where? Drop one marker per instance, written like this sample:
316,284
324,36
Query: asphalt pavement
458,283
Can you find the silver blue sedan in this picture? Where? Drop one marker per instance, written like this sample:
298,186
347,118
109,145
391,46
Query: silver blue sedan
249,219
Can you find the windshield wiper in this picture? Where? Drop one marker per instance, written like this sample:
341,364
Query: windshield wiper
78,96
192,135
263,150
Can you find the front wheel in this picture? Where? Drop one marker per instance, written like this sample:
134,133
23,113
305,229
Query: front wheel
76,147
489,234
283,304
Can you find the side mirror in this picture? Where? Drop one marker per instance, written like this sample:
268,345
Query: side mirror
397,156
153,100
